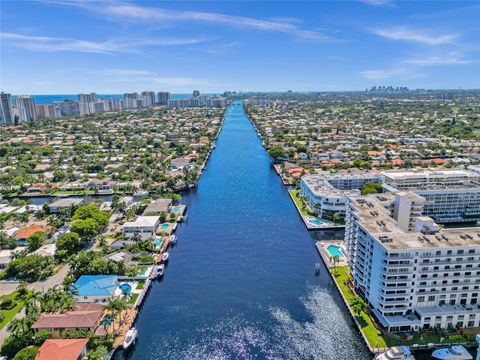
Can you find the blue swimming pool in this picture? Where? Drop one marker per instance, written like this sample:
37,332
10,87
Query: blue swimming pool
176,209
164,227
158,242
316,222
334,250
126,288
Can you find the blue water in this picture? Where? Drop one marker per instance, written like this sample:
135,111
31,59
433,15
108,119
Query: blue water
334,250
50,99
241,282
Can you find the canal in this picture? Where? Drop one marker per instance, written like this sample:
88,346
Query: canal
241,281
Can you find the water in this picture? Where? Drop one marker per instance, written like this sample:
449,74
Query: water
241,282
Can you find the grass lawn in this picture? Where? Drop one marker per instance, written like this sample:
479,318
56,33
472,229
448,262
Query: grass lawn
9,314
140,285
133,298
376,338
295,195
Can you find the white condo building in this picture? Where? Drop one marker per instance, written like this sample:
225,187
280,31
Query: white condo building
6,109
328,194
451,195
412,274
25,106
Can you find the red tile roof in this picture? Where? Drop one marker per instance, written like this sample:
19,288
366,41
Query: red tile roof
26,232
64,349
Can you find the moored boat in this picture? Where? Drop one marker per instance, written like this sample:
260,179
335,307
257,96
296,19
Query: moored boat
130,338
396,353
173,239
165,257
160,270
456,352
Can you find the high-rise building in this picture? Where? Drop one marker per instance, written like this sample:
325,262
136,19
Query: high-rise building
69,108
412,273
47,111
6,110
149,98
163,97
130,100
26,108
196,93
87,98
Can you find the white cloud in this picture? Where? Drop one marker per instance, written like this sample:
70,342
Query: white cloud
444,59
391,73
134,12
59,44
422,36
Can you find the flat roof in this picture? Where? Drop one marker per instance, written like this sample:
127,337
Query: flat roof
375,216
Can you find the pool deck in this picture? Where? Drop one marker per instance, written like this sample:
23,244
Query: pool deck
171,228
327,225
325,255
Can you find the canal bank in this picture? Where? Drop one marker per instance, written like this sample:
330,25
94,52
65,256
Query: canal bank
243,283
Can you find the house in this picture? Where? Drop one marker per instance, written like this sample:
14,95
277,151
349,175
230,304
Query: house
181,163
85,316
95,288
46,250
158,206
144,226
65,349
24,233
5,258
63,204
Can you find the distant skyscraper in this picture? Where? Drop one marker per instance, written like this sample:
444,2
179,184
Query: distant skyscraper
47,111
6,110
163,97
130,100
149,98
69,108
88,98
196,93
26,108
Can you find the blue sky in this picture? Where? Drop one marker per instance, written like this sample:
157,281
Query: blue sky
60,46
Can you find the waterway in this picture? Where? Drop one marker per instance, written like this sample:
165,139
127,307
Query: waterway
241,281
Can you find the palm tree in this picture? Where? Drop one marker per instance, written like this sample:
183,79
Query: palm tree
335,259
18,326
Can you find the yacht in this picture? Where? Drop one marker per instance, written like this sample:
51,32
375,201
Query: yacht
160,270
456,352
173,239
130,338
396,353
165,257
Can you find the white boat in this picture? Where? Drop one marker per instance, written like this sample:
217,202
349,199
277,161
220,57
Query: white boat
456,352
130,338
165,256
173,239
396,353
160,270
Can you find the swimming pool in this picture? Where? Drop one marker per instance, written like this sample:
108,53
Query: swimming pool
334,250
164,227
126,288
316,222
176,209
158,242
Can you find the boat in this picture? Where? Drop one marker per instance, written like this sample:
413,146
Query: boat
165,257
173,239
456,352
160,270
130,338
396,353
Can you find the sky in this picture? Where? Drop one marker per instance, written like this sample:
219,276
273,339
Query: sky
107,46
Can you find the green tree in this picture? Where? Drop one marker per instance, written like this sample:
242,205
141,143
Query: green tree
358,305
67,244
36,240
87,228
27,353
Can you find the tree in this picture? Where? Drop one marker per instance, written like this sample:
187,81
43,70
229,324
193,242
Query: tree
358,305
36,240
30,268
91,212
100,353
18,326
87,228
277,152
371,188
27,353
335,259
67,244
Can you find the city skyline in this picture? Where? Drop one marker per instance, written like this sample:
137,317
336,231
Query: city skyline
113,47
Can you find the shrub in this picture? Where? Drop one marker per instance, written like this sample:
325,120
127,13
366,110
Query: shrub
7,304
27,353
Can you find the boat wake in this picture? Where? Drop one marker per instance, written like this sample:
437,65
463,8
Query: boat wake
325,335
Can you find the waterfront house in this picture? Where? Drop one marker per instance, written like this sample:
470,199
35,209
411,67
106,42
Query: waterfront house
144,226
24,233
95,288
63,204
65,349
85,316
158,206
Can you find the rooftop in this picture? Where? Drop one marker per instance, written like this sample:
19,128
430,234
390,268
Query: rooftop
65,349
374,215
96,285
